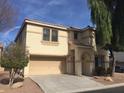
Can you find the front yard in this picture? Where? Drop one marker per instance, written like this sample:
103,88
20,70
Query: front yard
28,86
57,83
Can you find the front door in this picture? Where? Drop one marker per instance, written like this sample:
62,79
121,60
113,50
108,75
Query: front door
86,64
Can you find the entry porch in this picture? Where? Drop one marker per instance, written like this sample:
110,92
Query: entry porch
81,61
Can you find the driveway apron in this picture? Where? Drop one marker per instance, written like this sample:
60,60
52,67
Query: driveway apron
64,83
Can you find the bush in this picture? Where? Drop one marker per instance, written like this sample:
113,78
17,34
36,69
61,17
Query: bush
100,71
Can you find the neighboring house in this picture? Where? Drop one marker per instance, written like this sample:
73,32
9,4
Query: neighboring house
55,49
1,49
119,58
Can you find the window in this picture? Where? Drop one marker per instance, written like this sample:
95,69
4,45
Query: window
75,35
54,35
46,34
50,35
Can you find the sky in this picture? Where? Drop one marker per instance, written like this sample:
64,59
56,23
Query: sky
73,13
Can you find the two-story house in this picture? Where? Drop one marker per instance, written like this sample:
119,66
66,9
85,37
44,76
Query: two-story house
55,49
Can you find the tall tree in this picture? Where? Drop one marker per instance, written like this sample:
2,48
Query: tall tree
108,16
118,24
101,17
7,14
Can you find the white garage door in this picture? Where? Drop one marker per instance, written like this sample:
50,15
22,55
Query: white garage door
46,65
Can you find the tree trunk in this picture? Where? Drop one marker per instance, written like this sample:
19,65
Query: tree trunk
12,76
112,59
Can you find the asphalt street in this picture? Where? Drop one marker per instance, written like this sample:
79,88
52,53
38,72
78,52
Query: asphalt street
108,90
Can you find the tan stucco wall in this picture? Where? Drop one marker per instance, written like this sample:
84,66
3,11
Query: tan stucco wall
71,36
36,45
70,62
84,38
87,38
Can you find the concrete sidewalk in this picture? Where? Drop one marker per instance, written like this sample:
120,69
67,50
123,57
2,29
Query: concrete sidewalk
64,83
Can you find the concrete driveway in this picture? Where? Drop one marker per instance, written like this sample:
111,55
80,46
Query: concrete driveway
64,83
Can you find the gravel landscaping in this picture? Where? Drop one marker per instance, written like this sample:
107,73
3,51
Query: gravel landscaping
117,78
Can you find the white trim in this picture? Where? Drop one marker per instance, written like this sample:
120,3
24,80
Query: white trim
46,24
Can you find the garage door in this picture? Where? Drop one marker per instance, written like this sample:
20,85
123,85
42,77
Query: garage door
46,65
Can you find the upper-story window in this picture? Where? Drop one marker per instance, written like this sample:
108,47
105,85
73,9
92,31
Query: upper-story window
46,34
75,35
50,35
54,35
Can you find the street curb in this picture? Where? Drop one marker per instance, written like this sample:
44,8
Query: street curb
97,88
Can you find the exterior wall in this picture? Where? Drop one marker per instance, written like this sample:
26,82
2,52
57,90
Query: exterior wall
37,46
93,41
71,36
88,38
84,38
71,40
70,62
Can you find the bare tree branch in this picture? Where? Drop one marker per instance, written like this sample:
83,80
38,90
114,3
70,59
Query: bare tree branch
8,15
